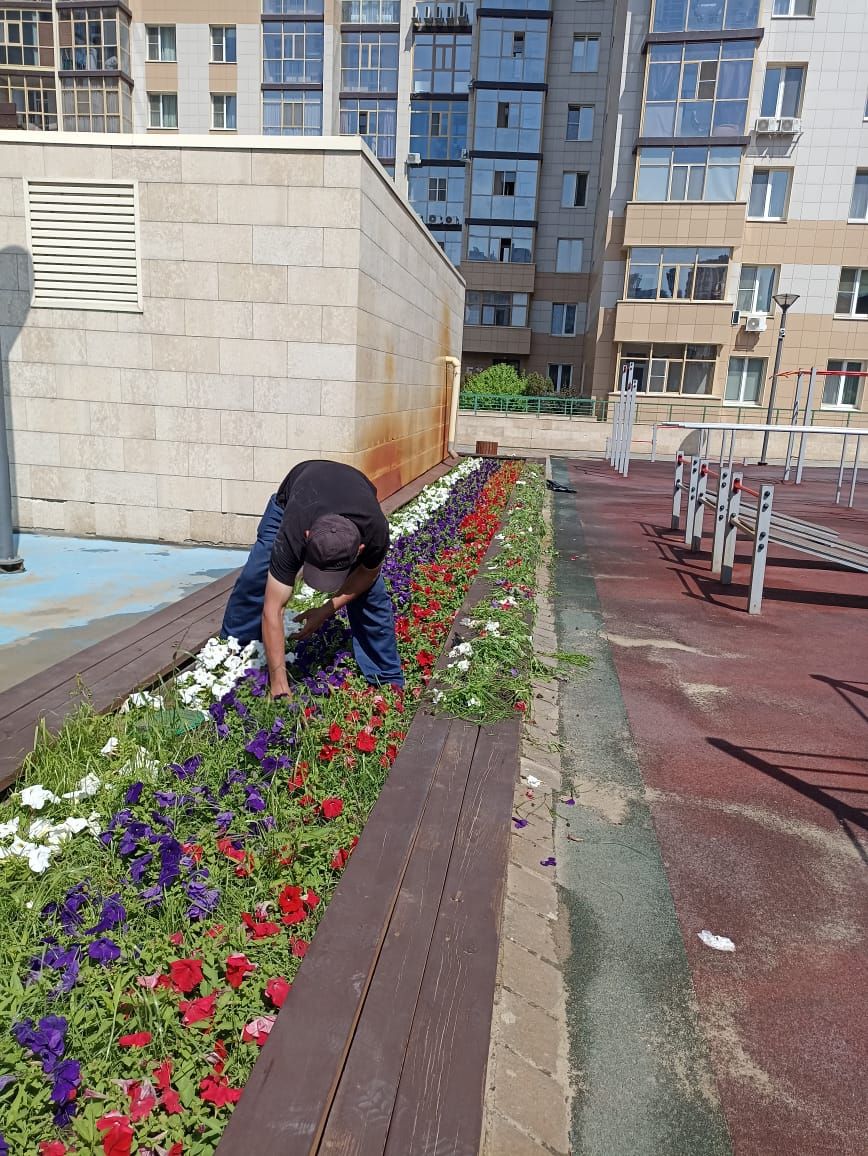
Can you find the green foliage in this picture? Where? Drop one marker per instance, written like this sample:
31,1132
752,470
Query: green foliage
502,380
538,385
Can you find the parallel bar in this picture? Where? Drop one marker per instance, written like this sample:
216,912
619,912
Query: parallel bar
760,549
731,534
699,508
720,519
693,487
677,491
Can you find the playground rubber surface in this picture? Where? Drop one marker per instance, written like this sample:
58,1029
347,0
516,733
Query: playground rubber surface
751,736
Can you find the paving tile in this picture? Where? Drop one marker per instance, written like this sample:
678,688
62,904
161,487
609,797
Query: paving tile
529,854
530,930
550,776
532,1098
531,889
530,1032
502,1138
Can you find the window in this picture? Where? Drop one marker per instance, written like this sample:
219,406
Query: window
437,194
688,174
674,369
292,7
96,104
512,48
580,122
859,200
843,392
450,243
292,52
698,89
586,54
574,191
292,113
563,320
441,62
853,293
35,100
223,44
369,62
489,308
370,11
677,274
438,129
522,130
744,380
224,111
755,288
94,40
705,15
503,193
161,42
85,255
162,110
26,38
769,192
507,243
373,121
569,256
793,8
561,377
783,89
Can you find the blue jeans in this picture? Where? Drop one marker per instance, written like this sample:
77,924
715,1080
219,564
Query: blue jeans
372,619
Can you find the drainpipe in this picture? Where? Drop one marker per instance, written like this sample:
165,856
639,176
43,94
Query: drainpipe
9,560
455,363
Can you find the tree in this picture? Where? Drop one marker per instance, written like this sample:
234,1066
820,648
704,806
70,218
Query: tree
500,379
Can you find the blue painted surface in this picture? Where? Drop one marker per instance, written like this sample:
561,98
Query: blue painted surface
71,583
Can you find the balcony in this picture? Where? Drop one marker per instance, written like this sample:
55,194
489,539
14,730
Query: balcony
501,276
497,339
684,223
430,17
674,322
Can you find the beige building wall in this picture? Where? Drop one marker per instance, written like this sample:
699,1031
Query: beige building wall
293,306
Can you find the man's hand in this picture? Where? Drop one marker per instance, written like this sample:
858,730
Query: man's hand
312,620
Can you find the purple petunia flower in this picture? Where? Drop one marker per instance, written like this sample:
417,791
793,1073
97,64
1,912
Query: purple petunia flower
549,862
152,895
103,951
188,768
113,912
224,820
258,745
46,1041
134,793
217,711
170,861
203,900
222,731
519,823
4,1147
253,801
165,798
139,866
66,1077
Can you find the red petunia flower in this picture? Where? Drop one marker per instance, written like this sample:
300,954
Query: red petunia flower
185,974
135,1040
195,1010
327,753
214,931
277,989
176,938
299,948
331,808
216,1090
335,733
237,966
177,1149
118,1137
258,1030
365,742
52,1148
170,1100
142,1100
339,860
425,658
260,928
194,850
521,706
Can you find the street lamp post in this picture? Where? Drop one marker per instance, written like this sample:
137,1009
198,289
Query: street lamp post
784,301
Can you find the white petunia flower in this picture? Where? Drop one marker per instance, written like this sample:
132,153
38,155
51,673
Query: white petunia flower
39,858
84,789
110,747
463,665
142,698
36,797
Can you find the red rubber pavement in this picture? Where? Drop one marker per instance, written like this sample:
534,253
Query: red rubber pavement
752,736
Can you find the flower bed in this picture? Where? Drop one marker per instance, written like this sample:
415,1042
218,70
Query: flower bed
166,889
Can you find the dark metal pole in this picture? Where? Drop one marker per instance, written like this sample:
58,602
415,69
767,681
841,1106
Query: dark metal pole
782,332
9,560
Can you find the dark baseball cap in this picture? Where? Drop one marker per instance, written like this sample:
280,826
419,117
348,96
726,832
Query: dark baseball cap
332,548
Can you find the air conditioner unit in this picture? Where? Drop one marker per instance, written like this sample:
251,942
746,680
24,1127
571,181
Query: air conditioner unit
451,220
790,125
414,158
432,218
756,323
768,125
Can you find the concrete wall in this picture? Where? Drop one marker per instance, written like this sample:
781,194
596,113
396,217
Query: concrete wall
581,437
293,307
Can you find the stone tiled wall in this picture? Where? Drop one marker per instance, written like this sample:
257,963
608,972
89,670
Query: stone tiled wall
294,307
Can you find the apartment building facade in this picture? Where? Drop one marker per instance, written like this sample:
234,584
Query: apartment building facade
625,184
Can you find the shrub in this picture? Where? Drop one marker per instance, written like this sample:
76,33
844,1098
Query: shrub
496,379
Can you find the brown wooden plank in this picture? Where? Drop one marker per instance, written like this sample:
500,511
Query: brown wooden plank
362,1108
67,671
438,1108
286,1099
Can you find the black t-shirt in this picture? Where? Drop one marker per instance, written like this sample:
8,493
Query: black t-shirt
315,488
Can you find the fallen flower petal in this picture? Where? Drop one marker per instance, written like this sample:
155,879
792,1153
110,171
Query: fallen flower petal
277,989
135,1040
257,1031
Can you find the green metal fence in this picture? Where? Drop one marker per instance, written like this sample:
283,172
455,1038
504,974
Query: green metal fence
552,406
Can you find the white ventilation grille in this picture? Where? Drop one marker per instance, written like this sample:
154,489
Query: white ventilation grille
83,239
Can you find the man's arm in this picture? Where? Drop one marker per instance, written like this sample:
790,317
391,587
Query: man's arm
359,582
277,594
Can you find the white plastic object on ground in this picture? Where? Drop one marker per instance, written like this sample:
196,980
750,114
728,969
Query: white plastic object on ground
718,942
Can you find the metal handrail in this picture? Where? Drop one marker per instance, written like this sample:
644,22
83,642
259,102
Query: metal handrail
551,405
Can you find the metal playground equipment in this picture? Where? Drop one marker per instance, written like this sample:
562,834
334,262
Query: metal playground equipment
757,520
